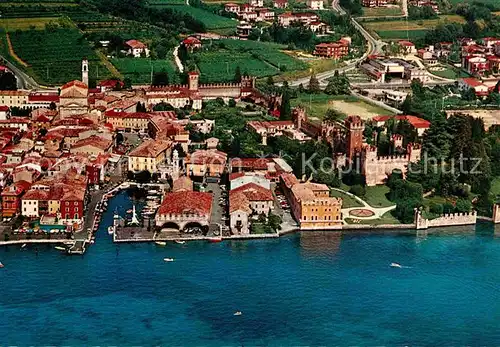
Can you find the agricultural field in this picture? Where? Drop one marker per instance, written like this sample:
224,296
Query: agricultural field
316,105
382,11
494,3
13,24
139,69
266,51
221,66
211,20
54,57
414,28
401,34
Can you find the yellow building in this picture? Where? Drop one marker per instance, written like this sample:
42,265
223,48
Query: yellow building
54,206
73,99
149,155
206,162
311,204
14,98
128,121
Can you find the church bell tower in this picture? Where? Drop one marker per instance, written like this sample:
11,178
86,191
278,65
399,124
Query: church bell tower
85,71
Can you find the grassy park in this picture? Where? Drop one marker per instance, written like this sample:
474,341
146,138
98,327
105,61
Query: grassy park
347,200
376,196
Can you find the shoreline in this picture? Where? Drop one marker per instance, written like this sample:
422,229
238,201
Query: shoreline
359,229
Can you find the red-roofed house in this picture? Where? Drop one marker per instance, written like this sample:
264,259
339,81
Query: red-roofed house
93,145
232,7
185,209
11,198
191,43
206,162
421,125
479,88
136,48
335,50
280,3
148,155
407,47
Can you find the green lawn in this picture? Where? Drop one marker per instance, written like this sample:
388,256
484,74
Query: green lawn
139,69
347,201
387,218
450,73
376,196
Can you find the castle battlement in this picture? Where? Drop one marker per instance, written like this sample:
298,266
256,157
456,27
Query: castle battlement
393,158
448,219
220,85
354,122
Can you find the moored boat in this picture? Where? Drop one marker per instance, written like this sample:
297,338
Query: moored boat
111,230
59,248
180,242
161,243
214,239
1,265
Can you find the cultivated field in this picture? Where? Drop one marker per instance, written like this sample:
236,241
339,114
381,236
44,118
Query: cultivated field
490,117
55,57
266,51
316,105
13,24
211,20
414,29
139,69
221,66
382,11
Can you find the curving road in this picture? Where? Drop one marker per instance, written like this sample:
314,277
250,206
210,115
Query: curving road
374,47
23,80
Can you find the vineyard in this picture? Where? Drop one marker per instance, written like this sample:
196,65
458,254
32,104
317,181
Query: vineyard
54,57
259,59
12,24
267,51
139,70
211,20
221,66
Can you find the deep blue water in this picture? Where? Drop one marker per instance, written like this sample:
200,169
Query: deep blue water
303,289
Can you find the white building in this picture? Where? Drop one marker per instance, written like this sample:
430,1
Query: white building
137,48
315,4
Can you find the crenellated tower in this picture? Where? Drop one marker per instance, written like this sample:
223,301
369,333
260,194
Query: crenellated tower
355,128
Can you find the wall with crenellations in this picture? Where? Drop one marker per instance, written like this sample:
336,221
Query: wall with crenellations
445,220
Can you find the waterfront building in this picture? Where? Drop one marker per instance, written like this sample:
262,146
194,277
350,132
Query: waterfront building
311,204
11,198
184,209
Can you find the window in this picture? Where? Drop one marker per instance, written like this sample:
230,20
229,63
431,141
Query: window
67,203
67,209
76,203
76,209
66,216
76,215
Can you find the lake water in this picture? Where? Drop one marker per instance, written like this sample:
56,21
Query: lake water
304,289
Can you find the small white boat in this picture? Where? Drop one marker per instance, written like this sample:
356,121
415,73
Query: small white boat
23,246
180,242
396,265
111,230
237,313
129,211
161,243
168,260
1,265
59,248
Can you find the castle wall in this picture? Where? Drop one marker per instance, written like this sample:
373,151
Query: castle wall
452,219
223,90
376,170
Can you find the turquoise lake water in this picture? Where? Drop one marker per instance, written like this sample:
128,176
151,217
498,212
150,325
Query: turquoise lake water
304,289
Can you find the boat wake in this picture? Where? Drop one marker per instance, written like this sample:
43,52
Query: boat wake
399,266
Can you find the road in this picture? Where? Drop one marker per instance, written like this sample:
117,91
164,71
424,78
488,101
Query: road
374,47
23,80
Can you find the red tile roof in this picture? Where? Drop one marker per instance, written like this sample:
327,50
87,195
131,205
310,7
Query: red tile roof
416,122
151,148
135,44
94,141
4,108
254,192
472,82
74,83
186,203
